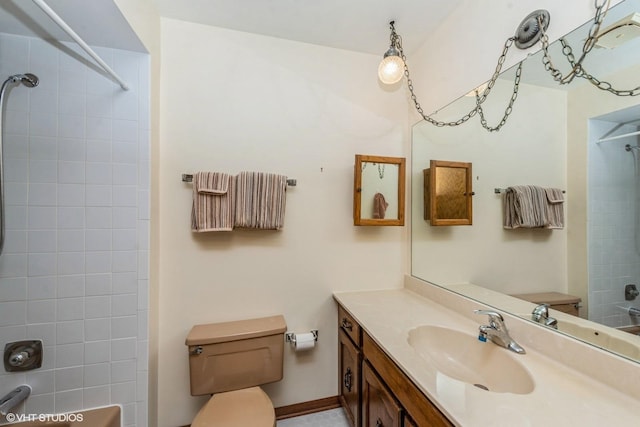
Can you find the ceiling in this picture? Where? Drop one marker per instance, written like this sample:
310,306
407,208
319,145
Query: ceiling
356,25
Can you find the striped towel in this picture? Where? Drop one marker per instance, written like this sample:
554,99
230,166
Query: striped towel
555,208
524,206
260,200
213,202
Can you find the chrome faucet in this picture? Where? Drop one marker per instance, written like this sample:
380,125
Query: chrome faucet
497,332
13,398
540,314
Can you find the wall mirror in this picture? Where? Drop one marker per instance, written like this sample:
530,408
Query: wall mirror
378,191
448,193
573,137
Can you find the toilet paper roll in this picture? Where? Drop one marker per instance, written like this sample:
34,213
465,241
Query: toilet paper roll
305,342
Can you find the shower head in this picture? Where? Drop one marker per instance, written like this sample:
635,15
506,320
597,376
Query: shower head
27,79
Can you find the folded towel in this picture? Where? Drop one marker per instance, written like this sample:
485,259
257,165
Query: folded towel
213,202
555,208
379,206
524,206
260,200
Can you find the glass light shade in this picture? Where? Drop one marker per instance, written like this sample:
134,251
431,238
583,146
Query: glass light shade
391,69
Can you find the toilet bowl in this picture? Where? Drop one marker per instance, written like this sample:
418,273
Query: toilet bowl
231,360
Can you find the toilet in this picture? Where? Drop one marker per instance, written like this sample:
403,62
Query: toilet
230,360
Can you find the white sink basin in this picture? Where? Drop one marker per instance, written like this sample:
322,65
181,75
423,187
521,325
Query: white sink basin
463,357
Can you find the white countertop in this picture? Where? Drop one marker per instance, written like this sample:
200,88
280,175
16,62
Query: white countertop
562,395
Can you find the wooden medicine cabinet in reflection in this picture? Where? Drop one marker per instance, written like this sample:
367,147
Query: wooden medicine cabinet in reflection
378,192
448,193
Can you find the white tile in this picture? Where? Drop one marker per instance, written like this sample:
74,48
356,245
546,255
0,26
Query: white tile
125,131
43,147
16,193
70,332
69,355
97,352
71,263
16,170
17,123
143,324
71,126
125,152
70,309
124,283
123,371
70,286
41,194
99,195
125,105
43,264
40,218
41,311
42,240
98,306
71,195
97,396
98,284
143,265
43,287
143,235
123,349
13,265
144,212
68,401
143,294
71,217
15,242
97,329
12,313
124,327
99,105
72,104
98,262
71,240
125,174
143,356
124,305
43,100
99,173
69,378
98,374
144,175
98,240
72,150
123,393
13,333
125,195
13,289
124,240
16,217
40,404
40,124
47,333
43,171
99,128
125,217
16,146
99,217
124,261
144,145
98,151
71,172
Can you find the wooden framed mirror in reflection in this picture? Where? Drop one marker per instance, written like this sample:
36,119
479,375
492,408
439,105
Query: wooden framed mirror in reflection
378,190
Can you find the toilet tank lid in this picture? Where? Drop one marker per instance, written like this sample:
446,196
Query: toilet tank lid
212,333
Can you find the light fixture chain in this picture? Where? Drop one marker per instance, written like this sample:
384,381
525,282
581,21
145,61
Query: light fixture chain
479,98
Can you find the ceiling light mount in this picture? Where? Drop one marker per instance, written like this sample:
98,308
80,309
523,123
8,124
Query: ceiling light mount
529,31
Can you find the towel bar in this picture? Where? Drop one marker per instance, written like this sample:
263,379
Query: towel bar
500,190
187,177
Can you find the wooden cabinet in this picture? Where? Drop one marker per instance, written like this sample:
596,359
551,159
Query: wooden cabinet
373,390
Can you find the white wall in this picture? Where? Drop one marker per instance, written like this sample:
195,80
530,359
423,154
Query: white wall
529,150
74,270
233,101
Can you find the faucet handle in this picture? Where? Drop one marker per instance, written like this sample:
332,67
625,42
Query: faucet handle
494,316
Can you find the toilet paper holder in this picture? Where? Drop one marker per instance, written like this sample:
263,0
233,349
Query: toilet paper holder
291,336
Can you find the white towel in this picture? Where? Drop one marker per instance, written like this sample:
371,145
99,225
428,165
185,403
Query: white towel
213,202
260,200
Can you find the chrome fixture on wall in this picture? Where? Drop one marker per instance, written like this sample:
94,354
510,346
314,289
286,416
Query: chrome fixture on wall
531,30
29,80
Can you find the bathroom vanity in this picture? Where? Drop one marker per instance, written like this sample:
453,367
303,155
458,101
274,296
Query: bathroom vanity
421,364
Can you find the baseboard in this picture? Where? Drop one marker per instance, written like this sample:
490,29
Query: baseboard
305,408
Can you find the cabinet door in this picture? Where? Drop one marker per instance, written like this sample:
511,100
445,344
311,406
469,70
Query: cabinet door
379,408
350,378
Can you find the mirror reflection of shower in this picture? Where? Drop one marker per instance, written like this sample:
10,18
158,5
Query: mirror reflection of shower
29,80
633,149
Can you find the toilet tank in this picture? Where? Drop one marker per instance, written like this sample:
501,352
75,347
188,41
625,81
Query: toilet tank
235,355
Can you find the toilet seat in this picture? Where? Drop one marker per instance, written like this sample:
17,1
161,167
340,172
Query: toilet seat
238,408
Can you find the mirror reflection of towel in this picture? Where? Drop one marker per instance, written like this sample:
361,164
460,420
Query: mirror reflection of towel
379,206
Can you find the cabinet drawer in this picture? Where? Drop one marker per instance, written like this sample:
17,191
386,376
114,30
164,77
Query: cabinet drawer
349,326
350,378
379,409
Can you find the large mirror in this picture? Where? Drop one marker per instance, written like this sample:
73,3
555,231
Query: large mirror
574,137
378,190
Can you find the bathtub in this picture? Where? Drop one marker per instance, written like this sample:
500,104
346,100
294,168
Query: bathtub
101,417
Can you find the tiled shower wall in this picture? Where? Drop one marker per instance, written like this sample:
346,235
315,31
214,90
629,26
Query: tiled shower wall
614,201
74,271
